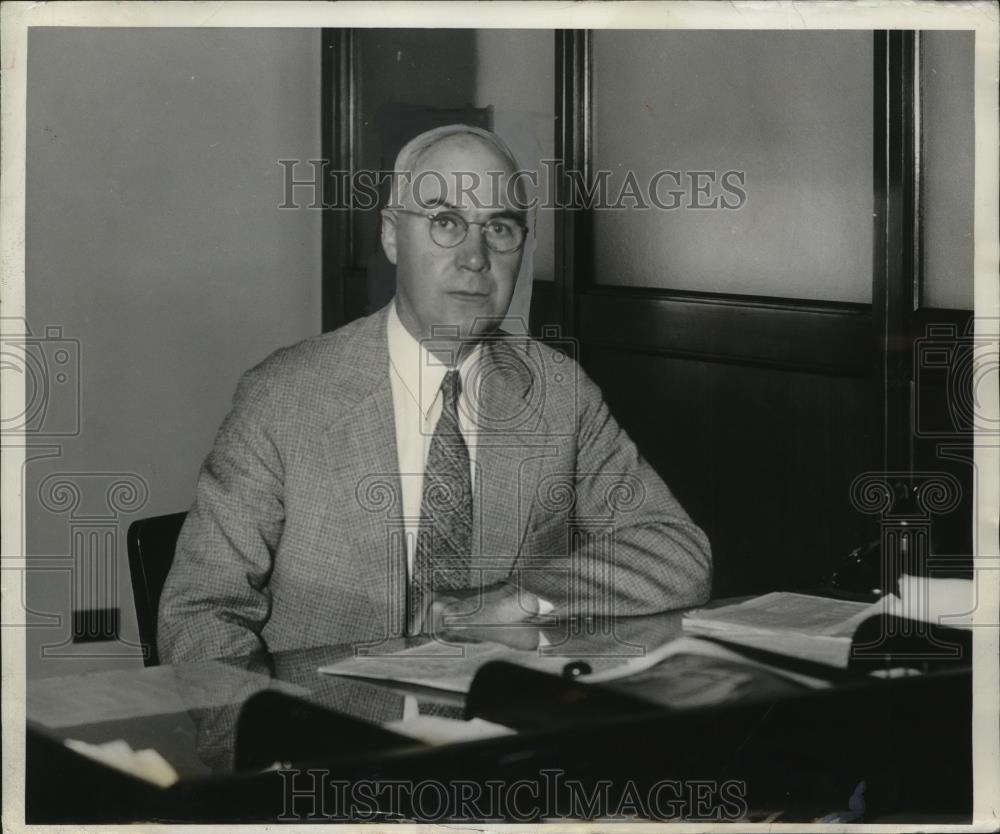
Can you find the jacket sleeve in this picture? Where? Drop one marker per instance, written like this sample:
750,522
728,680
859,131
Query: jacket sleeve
216,600
629,548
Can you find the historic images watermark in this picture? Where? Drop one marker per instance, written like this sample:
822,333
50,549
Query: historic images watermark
317,184
961,363
314,795
46,363
49,366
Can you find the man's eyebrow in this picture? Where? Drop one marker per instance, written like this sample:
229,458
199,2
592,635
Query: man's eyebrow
438,202
513,214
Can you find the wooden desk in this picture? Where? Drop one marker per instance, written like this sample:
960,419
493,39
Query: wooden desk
794,752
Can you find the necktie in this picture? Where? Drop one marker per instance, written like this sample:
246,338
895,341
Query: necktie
444,537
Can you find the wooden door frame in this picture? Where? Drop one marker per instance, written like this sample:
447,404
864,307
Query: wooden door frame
339,110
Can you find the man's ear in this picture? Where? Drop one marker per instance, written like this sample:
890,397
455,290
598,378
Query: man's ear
389,235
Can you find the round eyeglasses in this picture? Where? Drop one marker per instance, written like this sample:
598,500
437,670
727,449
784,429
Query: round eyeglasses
448,229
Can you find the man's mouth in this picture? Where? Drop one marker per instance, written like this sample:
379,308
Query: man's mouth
465,295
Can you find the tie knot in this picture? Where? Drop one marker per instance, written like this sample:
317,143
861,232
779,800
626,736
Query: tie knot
451,389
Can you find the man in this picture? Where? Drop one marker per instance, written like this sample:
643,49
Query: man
419,466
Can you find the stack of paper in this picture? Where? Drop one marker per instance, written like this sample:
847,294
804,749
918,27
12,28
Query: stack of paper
798,625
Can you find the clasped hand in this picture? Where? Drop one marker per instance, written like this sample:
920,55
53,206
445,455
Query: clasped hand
498,613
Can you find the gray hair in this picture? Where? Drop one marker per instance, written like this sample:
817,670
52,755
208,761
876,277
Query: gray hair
412,151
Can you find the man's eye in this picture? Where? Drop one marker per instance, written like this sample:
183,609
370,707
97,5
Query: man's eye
501,228
445,222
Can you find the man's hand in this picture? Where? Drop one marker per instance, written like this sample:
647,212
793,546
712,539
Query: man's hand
497,613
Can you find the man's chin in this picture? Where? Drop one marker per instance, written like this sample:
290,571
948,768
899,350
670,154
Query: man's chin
481,327
466,330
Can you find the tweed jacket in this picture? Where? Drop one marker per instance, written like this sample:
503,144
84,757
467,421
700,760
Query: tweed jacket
296,535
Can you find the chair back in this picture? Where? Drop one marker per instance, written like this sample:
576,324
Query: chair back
151,543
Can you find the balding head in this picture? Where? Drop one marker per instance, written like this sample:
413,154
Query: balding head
409,159
412,176
454,233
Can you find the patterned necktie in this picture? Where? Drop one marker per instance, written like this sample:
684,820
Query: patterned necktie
444,538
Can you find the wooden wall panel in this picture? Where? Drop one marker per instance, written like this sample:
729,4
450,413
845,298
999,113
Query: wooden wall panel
829,338
761,458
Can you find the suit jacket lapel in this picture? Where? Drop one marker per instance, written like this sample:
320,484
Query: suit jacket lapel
510,452
364,496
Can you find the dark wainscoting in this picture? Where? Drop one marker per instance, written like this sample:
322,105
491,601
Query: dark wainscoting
762,458
759,413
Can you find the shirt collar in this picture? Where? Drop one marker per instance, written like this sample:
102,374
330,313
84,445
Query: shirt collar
419,370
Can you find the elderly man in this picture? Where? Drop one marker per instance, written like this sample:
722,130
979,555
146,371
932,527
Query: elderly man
419,464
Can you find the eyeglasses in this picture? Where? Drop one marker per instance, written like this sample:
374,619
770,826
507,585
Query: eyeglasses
448,229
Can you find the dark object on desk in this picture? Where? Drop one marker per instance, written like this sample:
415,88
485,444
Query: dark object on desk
873,570
151,544
862,575
859,576
526,699
275,727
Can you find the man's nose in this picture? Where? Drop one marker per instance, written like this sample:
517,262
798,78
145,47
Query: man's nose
473,252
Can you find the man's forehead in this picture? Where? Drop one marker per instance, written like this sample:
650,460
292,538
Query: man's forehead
466,172
462,151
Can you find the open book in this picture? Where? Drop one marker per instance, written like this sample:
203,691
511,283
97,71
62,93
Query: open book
821,629
798,625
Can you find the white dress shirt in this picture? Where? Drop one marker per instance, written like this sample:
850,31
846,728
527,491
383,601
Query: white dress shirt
415,375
